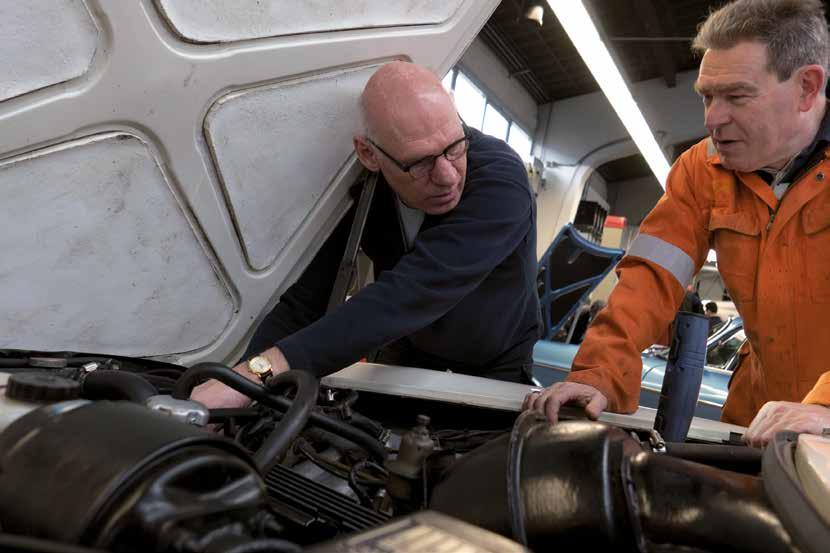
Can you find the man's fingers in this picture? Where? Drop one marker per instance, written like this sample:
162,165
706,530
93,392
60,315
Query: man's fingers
765,420
548,402
771,430
568,393
755,428
596,406
527,405
213,394
541,399
764,434
756,439
551,407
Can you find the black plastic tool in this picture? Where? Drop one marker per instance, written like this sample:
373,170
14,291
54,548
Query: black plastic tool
684,374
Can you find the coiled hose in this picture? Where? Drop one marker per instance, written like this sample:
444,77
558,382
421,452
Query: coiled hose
255,391
117,385
296,415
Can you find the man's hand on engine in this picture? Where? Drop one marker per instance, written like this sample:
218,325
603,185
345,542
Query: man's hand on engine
548,401
214,394
777,416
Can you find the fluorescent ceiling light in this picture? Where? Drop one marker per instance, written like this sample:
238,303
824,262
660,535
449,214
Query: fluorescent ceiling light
585,37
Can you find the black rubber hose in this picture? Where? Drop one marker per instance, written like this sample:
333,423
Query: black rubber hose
163,384
23,544
294,419
366,424
363,495
354,435
265,546
222,415
296,415
109,384
226,376
730,457
172,374
200,372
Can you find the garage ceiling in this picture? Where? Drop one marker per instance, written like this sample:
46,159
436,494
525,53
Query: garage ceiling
649,38
624,168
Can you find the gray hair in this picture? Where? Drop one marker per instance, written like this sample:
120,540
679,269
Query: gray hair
795,32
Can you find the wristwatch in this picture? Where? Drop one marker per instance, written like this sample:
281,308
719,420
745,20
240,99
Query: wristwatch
260,366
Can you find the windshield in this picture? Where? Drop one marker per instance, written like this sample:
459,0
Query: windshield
720,355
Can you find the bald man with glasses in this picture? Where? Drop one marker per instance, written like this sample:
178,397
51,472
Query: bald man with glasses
452,235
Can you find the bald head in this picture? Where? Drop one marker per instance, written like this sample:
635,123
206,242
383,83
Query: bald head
403,101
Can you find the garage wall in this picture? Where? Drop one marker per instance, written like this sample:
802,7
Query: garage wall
596,190
578,134
634,198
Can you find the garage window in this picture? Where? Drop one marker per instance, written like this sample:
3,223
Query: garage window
479,111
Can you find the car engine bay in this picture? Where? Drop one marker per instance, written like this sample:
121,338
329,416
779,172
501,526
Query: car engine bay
105,453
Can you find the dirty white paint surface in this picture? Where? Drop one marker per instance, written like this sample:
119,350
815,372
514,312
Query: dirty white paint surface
278,149
101,251
223,21
202,282
43,42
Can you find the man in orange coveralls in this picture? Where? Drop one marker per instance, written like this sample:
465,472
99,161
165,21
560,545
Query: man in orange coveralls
758,192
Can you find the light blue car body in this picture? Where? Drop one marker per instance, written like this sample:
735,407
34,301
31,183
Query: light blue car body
552,362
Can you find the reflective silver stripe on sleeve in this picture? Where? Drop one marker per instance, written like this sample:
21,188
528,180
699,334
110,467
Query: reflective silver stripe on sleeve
668,256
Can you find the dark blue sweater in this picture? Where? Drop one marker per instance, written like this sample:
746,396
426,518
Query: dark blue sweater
463,298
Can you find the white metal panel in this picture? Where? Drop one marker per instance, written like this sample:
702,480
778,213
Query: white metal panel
492,394
812,462
101,252
279,148
222,21
145,81
43,42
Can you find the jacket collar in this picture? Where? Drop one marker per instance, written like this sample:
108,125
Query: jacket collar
751,180
818,149
810,184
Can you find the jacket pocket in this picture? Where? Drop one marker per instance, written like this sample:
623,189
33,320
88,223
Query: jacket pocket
815,251
737,238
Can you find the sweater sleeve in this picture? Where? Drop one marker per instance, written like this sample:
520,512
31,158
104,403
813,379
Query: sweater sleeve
448,261
670,249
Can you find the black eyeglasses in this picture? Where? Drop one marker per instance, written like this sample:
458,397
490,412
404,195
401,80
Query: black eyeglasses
422,167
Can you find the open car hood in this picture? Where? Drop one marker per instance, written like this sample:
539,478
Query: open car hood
170,166
570,270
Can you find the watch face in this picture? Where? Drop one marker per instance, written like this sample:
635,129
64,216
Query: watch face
259,365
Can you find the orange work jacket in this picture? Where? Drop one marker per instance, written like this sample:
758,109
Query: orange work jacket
774,258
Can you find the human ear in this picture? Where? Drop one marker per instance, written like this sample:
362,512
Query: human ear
811,81
365,153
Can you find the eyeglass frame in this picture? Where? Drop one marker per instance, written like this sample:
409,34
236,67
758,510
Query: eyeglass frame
408,166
